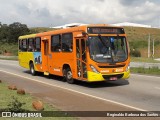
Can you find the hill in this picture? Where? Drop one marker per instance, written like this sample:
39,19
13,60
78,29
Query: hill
40,29
138,39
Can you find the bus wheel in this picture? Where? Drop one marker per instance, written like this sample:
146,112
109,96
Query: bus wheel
32,70
68,76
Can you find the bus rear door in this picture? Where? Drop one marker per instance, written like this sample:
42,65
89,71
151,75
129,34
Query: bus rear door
45,55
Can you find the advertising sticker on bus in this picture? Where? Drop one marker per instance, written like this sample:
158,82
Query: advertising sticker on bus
37,58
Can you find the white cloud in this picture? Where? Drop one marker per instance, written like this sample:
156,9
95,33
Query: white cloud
59,12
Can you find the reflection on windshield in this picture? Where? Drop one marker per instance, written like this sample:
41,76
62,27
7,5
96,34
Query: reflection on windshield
108,49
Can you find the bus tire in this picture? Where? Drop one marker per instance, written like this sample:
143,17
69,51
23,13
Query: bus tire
69,77
32,70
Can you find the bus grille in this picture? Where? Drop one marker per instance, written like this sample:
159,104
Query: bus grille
115,66
107,77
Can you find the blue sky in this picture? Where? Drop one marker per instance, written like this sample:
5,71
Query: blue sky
47,13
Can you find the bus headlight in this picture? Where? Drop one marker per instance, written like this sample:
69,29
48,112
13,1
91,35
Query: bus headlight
128,67
94,69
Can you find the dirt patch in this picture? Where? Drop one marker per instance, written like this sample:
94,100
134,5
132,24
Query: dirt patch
38,105
21,91
12,87
7,54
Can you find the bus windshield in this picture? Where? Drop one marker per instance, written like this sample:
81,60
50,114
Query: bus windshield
108,49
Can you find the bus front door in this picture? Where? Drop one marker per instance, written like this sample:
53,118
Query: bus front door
81,59
45,53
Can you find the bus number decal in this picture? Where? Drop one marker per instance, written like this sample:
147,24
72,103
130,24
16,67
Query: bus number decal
57,70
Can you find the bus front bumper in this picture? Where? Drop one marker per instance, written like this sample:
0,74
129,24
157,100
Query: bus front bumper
95,77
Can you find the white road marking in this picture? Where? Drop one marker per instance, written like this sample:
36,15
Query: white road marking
12,64
157,88
99,98
15,64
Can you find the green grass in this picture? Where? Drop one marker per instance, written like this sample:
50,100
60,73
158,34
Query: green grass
142,59
149,71
6,98
11,48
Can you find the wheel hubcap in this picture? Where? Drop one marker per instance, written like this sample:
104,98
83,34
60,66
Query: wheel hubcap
32,70
69,75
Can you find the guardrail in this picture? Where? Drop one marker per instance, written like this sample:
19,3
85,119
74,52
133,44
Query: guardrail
8,57
145,65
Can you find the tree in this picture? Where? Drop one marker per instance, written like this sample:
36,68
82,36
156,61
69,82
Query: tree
3,33
15,30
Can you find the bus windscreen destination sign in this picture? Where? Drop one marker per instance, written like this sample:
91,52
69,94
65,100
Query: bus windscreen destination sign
105,30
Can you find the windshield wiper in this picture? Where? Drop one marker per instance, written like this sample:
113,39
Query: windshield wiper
101,39
106,45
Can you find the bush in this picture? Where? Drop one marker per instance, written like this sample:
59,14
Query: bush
15,105
9,47
1,52
135,53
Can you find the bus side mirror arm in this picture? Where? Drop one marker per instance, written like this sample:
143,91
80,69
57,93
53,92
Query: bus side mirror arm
86,35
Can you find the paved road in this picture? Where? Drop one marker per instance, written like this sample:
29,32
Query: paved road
138,93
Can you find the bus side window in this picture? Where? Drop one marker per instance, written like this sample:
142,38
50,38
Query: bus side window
20,45
37,44
24,45
67,42
56,43
30,44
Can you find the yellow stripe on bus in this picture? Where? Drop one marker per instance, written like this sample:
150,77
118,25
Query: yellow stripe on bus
27,36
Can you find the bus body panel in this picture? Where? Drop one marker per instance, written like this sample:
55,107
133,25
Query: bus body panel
37,60
24,59
57,62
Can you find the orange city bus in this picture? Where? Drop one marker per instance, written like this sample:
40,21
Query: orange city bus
89,53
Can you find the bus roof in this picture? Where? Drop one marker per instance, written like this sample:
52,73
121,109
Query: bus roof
71,29
27,36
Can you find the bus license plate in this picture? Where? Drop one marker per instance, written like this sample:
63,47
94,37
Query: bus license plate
113,78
